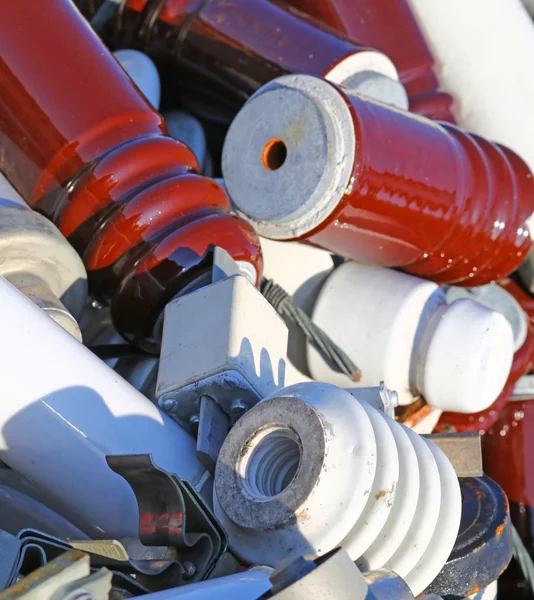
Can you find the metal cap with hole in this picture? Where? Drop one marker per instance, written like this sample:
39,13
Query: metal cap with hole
289,155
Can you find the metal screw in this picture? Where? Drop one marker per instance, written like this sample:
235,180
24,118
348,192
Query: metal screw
194,420
189,569
169,404
237,407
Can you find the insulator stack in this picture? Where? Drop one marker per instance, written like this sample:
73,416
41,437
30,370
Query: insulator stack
307,160
286,483
223,52
389,26
83,147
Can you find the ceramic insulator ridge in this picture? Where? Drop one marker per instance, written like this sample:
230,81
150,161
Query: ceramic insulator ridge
307,160
286,483
145,241
225,52
126,196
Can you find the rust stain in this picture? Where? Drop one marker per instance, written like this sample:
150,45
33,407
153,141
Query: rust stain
381,494
499,530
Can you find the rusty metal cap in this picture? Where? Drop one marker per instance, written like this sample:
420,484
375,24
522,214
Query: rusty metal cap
484,545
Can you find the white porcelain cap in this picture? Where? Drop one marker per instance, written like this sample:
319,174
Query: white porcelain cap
142,72
468,359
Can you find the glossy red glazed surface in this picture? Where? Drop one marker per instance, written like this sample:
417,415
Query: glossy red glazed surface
224,50
439,202
388,26
508,458
83,147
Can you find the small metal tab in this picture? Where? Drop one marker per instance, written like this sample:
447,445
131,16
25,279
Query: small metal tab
212,429
464,450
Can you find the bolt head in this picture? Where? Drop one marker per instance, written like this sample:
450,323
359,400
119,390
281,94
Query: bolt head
169,404
238,407
189,569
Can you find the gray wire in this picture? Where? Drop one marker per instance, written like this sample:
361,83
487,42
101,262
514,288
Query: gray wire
523,557
282,302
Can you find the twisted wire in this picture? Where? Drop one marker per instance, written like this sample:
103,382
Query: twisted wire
283,303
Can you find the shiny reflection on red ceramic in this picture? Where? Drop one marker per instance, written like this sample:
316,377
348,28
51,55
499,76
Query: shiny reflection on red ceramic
84,147
388,26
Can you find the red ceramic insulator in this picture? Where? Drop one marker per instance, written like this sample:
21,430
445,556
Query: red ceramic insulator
389,26
508,454
306,160
224,51
82,146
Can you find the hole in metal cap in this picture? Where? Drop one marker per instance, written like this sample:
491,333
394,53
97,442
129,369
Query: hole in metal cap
274,154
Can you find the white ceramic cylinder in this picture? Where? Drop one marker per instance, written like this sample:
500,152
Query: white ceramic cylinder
311,468
301,271
143,72
484,50
398,329
64,410
38,260
241,586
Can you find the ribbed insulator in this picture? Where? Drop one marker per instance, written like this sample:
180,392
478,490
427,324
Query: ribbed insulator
307,160
389,26
83,147
221,52
311,468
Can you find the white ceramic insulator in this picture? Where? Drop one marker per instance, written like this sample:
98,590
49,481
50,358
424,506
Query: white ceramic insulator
398,329
484,50
301,271
143,72
372,74
311,468
64,410
497,298
241,586
38,260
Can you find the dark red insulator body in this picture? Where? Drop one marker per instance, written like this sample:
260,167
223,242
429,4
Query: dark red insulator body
378,185
508,458
83,147
224,51
389,26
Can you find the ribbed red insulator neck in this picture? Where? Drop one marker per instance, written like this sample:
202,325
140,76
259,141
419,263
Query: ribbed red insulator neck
307,160
82,146
388,26
222,51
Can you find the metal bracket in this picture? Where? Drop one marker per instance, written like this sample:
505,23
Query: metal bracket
171,516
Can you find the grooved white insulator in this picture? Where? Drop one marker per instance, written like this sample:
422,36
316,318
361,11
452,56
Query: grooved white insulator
399,329
39,262
311,468
484,50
